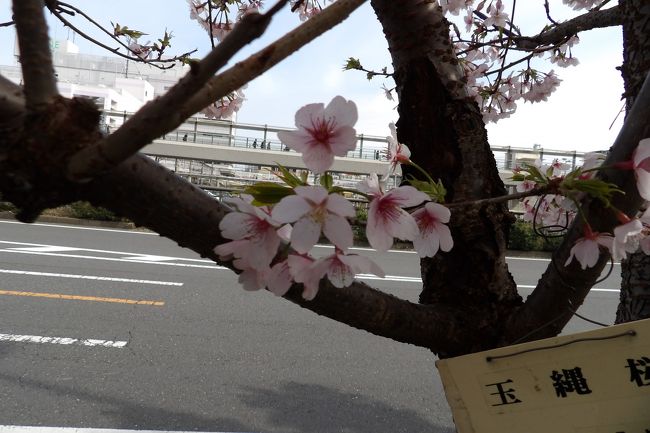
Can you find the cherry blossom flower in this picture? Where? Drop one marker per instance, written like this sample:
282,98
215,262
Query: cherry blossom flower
398,153
253,232
539,89
314,210
386,218
581,4
497,17
641,160
433,233
276,279
341,269
323,132
587,249
301,269
225,107
626,237
526,185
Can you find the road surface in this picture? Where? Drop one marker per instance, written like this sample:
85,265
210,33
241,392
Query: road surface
123,329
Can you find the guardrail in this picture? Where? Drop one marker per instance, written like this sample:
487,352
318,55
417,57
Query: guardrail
264,138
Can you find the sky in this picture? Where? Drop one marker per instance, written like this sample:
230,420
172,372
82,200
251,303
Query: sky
576,117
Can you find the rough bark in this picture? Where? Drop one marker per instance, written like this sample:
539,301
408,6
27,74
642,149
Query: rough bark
635,285
445,132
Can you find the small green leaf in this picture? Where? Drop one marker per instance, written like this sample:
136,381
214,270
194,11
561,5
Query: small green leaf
326,181
267,192
352,63
289,178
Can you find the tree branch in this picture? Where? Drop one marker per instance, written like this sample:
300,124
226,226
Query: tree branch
155,197
260,62
156,118
555,35
35,56
561,288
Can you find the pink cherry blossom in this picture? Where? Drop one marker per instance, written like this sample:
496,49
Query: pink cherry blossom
323,132
398,153
253,232
587,249
433,233
314,210
497,17
626,238
526,185
341,269
641,161
276,279
386,218
301,269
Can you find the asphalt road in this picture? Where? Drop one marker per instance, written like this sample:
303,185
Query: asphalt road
197,352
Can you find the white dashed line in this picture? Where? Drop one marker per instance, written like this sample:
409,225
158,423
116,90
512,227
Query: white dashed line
89,277
61,340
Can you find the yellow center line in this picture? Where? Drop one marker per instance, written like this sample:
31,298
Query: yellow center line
82,298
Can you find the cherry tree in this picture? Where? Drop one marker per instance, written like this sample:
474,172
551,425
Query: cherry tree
448,82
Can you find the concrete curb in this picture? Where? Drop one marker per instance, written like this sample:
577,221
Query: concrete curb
76,221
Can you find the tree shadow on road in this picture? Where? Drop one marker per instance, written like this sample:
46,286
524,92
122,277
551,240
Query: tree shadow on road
125,414
305,408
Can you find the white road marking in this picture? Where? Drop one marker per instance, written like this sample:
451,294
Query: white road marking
93,250
111,259
61,340
89,277
593,289
149,258
47,249
27,429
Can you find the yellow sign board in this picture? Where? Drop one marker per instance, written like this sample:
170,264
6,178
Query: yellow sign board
592,382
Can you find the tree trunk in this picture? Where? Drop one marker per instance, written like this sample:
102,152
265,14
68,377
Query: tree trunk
635,285
445,132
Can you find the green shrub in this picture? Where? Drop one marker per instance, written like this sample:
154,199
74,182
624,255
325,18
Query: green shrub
523,237
84,210
6,206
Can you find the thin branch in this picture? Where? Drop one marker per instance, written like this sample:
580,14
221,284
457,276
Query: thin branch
260,62
156,118
590,20
35,55
500,199
7,24
116,51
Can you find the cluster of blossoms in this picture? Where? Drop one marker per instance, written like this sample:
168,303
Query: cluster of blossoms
565,189
225,107
215,15
273,230
307,8
482,53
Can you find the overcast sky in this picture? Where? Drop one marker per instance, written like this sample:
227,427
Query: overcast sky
576,117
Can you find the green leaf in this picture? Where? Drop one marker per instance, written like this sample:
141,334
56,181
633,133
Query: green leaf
352,63
436,191
326,181
267,192
289,178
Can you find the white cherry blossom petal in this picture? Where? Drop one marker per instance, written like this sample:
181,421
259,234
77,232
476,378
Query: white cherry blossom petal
337,229
305,234
290,209
339,205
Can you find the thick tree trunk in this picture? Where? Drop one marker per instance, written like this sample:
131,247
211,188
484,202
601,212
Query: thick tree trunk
445,132
635,285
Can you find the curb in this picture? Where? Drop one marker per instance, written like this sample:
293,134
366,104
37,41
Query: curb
76,221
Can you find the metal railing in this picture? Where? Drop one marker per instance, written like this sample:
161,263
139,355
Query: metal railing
264,137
